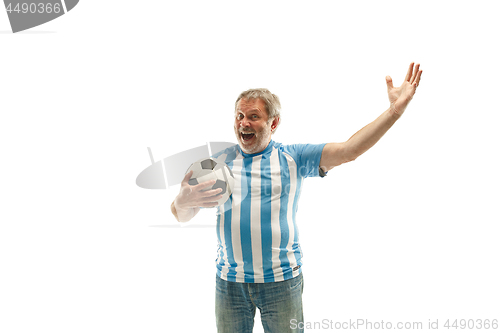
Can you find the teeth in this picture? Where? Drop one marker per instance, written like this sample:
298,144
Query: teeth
244,133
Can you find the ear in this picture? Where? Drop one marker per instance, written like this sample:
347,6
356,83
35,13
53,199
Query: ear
275,123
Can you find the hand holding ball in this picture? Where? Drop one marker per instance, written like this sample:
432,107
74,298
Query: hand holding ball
220,177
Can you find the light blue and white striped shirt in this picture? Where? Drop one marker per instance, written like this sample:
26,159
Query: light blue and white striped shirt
258,239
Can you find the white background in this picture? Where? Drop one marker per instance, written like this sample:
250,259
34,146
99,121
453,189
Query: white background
407,232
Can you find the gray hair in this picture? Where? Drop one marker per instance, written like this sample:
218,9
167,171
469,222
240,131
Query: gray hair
271,101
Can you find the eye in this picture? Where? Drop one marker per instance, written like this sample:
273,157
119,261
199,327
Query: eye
255,116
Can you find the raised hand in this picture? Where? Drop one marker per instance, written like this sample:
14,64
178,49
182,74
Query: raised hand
401,96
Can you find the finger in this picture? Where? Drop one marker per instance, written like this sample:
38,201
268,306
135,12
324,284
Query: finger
414,76
209,204
388,80
211,199
211,193
204,185
410,71
417,80
187,176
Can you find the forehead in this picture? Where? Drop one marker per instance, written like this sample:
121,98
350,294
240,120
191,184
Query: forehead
247,105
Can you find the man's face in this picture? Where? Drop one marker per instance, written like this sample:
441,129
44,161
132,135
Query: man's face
251,125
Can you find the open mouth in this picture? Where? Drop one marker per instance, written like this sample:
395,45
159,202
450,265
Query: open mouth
247,137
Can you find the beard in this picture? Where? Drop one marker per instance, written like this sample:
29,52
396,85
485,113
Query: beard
256,144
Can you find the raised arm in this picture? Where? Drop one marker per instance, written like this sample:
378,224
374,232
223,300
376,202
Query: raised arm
335,154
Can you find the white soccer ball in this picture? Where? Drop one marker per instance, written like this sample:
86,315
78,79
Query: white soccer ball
211,168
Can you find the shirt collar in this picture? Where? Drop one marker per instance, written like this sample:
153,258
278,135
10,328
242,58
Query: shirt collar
266,150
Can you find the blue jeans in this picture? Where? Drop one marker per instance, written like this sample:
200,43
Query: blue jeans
278,302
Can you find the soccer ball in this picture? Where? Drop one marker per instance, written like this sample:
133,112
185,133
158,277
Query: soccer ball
209,169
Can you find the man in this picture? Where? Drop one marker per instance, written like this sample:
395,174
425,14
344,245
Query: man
259,256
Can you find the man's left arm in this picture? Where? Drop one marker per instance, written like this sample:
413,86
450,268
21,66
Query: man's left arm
335,154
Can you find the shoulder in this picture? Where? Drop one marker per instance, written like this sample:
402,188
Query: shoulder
303,149
226,154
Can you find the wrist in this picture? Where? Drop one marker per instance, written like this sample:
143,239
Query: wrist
178,207
394,112
179,212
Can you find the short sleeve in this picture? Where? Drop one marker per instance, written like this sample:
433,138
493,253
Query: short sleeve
307,157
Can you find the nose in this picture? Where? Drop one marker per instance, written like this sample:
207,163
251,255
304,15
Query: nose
244,123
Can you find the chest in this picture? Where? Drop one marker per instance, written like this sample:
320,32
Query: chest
264,179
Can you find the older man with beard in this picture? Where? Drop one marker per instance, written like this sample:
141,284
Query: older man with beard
259,263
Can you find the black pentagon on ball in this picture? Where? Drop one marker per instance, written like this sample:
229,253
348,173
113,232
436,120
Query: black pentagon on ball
220,184
208,164
193,181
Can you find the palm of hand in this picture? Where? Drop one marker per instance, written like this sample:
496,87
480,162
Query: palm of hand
400,97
